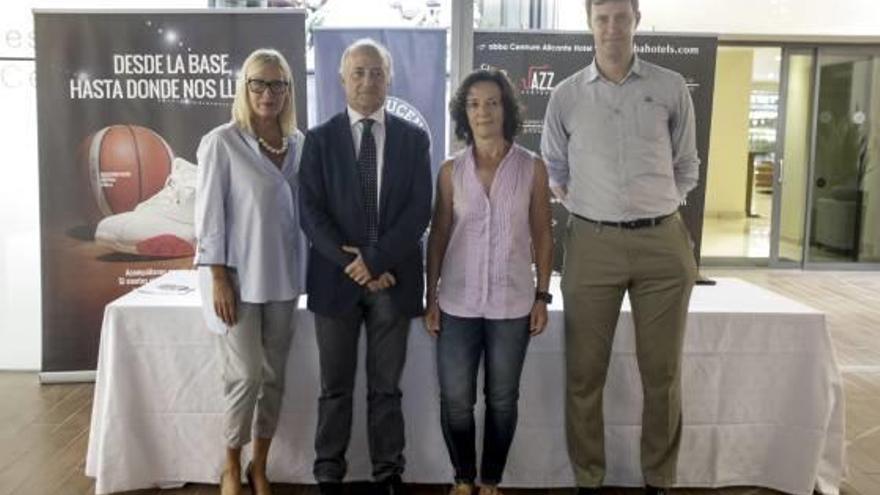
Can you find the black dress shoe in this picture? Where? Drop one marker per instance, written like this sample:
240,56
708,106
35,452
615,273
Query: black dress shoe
330,488
584,490
392,485
653,490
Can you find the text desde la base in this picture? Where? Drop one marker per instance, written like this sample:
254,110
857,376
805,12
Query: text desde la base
159,77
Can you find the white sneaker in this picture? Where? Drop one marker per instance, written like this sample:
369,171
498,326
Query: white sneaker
162,225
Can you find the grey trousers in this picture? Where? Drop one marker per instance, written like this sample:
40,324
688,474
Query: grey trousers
656,266
387,331
254,354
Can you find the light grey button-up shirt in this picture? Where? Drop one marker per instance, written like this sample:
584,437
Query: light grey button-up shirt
247,214
623,151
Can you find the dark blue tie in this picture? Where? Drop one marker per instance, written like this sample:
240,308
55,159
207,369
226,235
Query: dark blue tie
369,180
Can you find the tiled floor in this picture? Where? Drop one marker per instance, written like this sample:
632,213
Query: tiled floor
44,429
750,237
739,237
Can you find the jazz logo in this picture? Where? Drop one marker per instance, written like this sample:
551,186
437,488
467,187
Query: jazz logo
539,78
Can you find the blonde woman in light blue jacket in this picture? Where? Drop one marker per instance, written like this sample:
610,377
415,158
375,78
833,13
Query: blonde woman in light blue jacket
250,255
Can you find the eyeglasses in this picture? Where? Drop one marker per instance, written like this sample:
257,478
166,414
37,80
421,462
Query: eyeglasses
259,86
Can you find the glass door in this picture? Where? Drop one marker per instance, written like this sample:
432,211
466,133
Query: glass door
744,147
844,190
790,175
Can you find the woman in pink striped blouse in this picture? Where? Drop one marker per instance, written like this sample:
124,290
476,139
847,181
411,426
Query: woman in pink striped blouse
491,224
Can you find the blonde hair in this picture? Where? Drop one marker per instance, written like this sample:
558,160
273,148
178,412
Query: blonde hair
241,108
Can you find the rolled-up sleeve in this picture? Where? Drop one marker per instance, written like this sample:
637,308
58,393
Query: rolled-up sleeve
554,143
685,160
211,191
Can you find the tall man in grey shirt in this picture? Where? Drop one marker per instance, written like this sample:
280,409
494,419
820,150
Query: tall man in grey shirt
619,142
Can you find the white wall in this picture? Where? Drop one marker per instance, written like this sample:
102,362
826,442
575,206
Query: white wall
785,17
16,21
729,142
19,218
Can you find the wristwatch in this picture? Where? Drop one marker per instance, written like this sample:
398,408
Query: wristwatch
544,296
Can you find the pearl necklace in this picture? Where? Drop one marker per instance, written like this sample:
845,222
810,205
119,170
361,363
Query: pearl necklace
272,149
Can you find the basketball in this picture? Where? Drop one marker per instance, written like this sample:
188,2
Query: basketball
126,165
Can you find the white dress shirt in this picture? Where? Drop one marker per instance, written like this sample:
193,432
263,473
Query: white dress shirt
357,130
247,214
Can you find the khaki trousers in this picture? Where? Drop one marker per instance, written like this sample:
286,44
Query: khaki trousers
656,266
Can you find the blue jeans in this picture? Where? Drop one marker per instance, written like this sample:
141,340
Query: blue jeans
462,342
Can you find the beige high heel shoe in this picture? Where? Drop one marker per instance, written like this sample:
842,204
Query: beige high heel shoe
461,489
490,490
262,490
229,487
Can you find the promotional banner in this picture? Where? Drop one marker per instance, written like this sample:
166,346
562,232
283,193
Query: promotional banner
418,86
537,61
123,100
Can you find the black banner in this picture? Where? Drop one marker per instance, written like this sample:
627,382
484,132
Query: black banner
537,61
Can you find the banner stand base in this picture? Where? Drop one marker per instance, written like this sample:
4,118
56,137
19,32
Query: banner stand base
52,377
703,280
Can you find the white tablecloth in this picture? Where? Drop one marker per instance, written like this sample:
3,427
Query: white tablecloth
763,399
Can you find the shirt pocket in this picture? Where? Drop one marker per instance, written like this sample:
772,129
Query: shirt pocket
652,120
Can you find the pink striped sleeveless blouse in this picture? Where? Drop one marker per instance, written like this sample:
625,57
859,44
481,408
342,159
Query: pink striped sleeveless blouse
487,269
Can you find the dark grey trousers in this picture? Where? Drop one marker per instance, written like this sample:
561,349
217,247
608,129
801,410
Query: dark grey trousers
387,331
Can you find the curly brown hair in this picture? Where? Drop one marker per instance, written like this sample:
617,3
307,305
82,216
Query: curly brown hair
509,102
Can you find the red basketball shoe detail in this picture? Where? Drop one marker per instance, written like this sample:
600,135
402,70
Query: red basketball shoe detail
165,245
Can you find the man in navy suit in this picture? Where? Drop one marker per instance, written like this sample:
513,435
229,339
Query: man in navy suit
365,197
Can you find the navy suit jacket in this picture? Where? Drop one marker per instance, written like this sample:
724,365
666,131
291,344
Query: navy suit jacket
332,214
